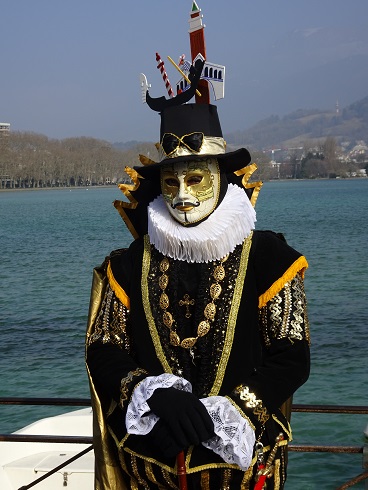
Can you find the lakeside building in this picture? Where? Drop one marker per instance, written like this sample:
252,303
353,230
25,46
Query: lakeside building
4,128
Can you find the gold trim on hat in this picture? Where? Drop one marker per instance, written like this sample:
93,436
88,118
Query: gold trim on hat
212,145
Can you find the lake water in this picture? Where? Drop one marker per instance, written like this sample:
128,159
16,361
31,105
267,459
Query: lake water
50,240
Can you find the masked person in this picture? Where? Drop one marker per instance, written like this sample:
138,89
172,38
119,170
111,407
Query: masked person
198,332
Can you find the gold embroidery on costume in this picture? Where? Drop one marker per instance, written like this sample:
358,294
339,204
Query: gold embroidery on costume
241,412
111,322
209,312
283,464
140,480
205,480
123,462
147,307
300,319
226,480
133,484
212,361
276,475
285,315
125,382
168,480
149,472
234,308
247,477
251,401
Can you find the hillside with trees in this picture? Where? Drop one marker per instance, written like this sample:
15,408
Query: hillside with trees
311,144
348,125
29,160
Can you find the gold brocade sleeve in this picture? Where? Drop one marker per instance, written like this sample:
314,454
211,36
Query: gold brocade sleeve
285,315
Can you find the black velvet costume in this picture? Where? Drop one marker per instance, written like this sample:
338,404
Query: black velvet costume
256,353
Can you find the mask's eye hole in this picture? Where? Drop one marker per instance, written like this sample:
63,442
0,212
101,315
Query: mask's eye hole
171,182
194,180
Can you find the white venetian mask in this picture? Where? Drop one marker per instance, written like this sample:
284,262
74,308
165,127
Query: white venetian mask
191,189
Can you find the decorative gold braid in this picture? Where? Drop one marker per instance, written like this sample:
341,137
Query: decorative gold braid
146,263
133,483
205,480
124,388
226,479
209,310
251,401
276,475
283,464
151,476
140,480
245,484
233,316
122,459
168,480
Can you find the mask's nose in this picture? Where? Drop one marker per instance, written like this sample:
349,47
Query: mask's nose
183,193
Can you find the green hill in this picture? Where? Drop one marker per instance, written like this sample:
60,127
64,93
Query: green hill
348,125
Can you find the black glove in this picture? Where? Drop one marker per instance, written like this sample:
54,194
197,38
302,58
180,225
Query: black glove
185,417
160,436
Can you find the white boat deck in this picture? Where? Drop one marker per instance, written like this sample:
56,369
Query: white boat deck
23,462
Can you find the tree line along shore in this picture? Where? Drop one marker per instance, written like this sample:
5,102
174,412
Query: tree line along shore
33,161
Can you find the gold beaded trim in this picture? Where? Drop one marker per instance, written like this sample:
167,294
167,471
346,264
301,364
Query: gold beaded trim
138,477
149,472
251,401
205,480
226,479
168,480
209,310
124,388
111,322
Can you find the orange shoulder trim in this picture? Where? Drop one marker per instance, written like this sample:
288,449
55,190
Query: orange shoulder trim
300,265
118,290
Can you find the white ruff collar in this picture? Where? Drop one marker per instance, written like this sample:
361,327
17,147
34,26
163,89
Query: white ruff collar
218,235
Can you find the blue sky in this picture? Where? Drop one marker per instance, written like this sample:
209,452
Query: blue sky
71,67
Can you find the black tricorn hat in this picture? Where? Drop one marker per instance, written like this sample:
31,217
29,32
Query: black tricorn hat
193,132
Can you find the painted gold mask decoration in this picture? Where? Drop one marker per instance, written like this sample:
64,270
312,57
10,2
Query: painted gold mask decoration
191,189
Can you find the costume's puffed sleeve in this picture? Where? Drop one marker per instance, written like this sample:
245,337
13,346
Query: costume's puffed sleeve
284,329
108,351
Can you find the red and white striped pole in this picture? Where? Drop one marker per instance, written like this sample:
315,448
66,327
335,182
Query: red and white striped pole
161,67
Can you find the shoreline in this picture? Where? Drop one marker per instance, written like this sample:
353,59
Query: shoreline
110,186
85,187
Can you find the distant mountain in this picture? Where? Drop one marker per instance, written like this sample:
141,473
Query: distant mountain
349,124
301,68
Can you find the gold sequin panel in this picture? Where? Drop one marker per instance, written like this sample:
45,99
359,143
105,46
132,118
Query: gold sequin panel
285,315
